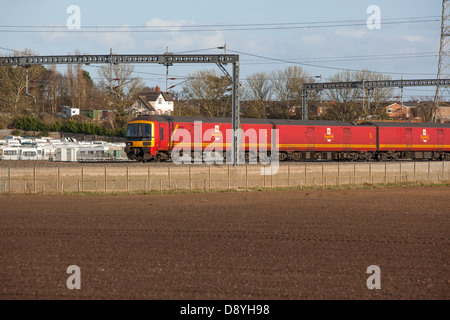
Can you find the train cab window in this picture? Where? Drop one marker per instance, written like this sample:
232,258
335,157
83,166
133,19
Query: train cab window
139,130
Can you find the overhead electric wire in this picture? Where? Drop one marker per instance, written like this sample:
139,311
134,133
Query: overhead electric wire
349,58
214,27
320,66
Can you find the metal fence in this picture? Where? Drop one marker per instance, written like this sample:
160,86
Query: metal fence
159,179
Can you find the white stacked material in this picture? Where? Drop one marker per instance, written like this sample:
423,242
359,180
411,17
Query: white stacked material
68,149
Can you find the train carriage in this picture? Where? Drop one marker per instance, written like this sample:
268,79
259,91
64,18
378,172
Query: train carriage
412,140
301,140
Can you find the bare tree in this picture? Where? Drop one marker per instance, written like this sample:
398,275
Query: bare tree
287,88
210,92
13,95
357,101
425,109
120,88
258,93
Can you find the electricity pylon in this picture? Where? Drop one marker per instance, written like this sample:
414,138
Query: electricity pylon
444,54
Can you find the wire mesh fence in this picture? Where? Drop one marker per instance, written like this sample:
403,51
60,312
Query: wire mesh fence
208,178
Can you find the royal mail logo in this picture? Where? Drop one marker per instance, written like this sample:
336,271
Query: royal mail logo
329,136
217,134
424,136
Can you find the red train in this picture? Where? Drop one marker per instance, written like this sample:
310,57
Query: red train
156,137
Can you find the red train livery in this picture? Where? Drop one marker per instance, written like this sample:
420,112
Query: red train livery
155,137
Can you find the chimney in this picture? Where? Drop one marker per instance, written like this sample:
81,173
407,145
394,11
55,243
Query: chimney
157,89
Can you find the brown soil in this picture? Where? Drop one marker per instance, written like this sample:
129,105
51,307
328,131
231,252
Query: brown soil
284,245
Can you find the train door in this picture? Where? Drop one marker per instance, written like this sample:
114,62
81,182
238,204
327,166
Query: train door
163,136
310,139
440,140
170,131
409,139
347,139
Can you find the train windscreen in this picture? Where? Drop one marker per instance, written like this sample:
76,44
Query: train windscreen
139,130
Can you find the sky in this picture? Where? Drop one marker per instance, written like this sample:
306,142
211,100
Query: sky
324,37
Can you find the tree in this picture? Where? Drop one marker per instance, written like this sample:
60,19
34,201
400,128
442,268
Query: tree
426,110
287,86
344,111
79,85
356,102
120,88
13,97
211,93
258,93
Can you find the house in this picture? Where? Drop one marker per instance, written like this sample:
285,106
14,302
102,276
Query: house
68,112
153,103
443,114
397,111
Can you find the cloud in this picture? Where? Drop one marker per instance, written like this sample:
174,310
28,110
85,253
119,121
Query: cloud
354,34
122,40
313,39
167,25
414,38
173,34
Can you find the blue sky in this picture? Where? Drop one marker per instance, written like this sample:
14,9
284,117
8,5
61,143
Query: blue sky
401,47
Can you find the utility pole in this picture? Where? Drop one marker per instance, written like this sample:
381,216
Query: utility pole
110,72
27,93
167,69
443,54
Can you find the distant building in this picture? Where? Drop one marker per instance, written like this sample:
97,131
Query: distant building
153,103
443,114
397,111
99,115
68,112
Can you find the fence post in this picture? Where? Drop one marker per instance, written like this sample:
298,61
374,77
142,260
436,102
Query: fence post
169,176
271,177
105,180
246,177
289,175
209,178
34,179
229,181
190,179
128,182
264,176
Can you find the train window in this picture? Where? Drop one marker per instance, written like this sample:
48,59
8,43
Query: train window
161,133
139,130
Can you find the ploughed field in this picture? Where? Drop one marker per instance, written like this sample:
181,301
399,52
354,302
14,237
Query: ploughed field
310,244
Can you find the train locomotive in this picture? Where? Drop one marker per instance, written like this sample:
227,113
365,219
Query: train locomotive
153,138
